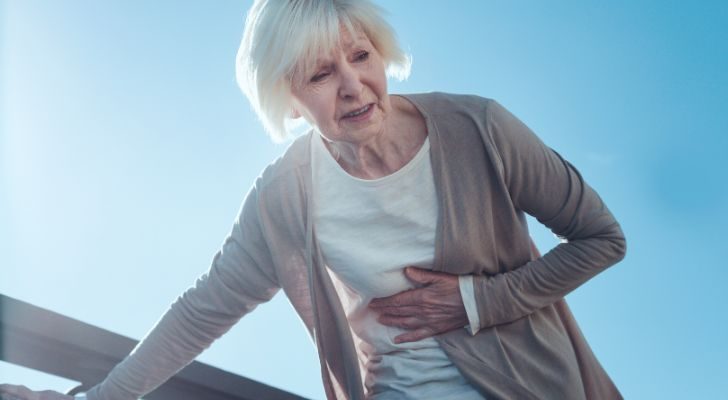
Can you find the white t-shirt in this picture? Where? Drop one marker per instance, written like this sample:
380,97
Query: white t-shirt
369,230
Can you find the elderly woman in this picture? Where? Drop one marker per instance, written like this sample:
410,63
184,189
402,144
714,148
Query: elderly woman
396,227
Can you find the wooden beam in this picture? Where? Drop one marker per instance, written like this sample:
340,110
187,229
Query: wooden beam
46,341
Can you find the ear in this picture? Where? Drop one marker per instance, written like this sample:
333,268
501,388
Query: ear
294,114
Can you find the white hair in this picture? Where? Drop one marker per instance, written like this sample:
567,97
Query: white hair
283,40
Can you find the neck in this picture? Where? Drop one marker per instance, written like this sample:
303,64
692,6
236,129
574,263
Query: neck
388,151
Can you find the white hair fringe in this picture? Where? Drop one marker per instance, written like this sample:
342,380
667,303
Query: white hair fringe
281,44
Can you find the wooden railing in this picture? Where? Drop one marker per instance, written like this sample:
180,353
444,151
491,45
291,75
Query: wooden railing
46,341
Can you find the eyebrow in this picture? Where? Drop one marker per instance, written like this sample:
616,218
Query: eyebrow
322,62
354,41
325,61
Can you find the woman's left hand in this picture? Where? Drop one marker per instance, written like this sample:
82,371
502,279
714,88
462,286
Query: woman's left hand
426,311
18,392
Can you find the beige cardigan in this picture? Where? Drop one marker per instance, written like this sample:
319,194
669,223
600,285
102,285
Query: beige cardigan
489,169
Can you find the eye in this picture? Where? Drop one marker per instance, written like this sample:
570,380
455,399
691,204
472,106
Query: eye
320,76
361,56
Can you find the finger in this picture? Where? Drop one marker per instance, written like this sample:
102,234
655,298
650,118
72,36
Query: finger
406,298
13,389
415,321
6,388
402,311
401,322
414,336
432,314
419,275
53,395
14,392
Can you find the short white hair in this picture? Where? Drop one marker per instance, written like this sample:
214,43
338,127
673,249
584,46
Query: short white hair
283,40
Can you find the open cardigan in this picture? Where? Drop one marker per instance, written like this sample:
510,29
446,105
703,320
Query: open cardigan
489,169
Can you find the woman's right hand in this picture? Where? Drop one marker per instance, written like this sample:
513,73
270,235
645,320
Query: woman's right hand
18,392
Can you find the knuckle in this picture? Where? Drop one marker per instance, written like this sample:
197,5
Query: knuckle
398,311
412,322
419,334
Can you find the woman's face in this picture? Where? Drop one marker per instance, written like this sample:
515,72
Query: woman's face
346,95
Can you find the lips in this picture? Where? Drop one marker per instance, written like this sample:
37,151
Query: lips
358,112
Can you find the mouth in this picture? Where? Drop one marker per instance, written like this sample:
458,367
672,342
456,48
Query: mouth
359,113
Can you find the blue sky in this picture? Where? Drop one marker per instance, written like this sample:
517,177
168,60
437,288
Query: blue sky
126,149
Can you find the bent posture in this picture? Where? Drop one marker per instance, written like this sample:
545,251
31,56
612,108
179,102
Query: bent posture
396,227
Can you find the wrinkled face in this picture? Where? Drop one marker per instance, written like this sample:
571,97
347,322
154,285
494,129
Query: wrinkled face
345,97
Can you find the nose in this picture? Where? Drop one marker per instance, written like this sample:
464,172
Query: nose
350,86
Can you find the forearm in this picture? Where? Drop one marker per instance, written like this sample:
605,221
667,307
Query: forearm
541,183
177,338
239,279
470,300
512,295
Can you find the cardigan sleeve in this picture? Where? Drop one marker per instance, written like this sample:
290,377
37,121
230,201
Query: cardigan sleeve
544,185
240,277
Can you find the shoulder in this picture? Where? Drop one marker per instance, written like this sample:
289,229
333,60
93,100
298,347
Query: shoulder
457,115
278,195
289,165
439,103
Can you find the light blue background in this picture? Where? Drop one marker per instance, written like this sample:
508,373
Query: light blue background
126,149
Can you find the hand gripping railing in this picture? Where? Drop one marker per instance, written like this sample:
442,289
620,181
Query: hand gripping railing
46,341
